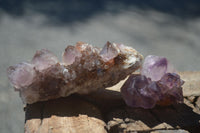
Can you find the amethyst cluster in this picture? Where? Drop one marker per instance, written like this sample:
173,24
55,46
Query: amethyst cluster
157,84
83,69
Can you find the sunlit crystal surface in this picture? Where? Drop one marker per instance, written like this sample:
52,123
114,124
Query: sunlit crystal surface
155,67
21,75
70,54
43,59
109,51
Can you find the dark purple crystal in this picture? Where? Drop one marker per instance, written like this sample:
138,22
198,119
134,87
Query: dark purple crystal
137,92
155,85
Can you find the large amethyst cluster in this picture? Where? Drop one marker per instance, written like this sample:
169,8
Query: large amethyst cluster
83,69
157,84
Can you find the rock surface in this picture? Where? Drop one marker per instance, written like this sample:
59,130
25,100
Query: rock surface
105,111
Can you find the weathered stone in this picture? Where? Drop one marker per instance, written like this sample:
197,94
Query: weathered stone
170,131
191,85
61,116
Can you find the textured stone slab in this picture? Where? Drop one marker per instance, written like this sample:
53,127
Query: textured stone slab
105,111
192,83
64,115
173,117
170,131
198,102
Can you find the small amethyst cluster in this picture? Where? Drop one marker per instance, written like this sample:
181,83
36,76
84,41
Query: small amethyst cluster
83,69
157,84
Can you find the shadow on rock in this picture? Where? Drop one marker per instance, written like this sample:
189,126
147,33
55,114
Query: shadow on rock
109,106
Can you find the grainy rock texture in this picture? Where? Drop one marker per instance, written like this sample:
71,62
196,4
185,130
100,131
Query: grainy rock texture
104,111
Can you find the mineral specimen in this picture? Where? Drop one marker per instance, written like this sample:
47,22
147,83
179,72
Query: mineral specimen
157,84
84,69
44,59
155,67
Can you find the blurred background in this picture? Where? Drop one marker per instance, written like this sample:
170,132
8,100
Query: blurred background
167,28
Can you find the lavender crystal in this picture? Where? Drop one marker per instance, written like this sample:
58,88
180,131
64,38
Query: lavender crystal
157,84
84,69
70,54
21,74
43,59
109,51
155,67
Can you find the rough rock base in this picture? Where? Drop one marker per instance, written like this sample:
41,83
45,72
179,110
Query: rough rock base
105,111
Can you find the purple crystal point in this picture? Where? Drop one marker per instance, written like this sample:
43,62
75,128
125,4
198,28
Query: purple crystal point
155,67
70,54
155,85
109,51
21,75
43,59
